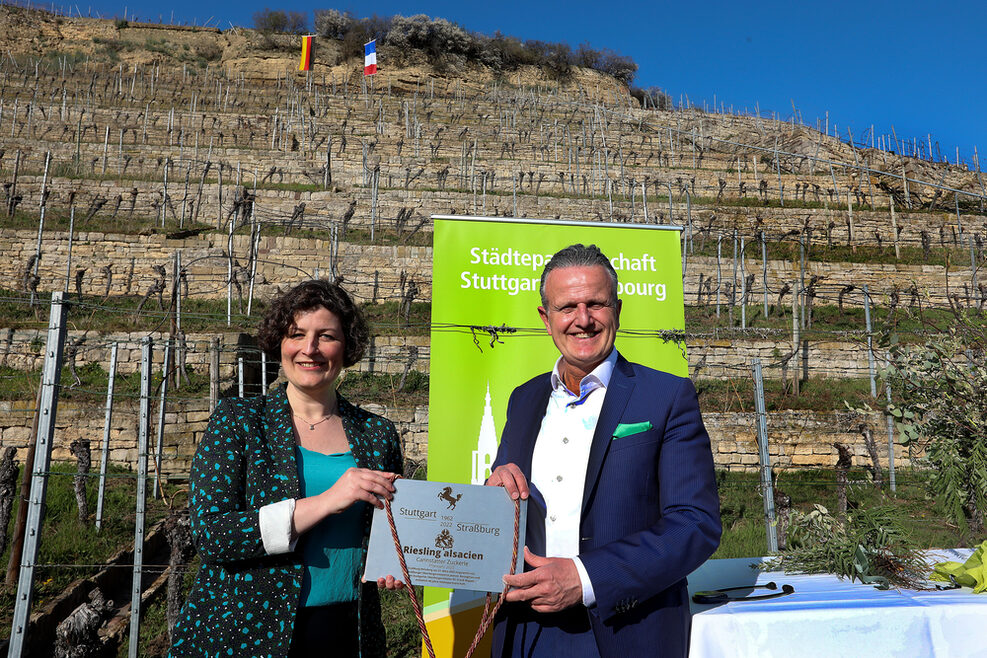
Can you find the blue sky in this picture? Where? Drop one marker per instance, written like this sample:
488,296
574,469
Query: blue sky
918,66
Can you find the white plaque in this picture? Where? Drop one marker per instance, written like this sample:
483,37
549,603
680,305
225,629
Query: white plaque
453,535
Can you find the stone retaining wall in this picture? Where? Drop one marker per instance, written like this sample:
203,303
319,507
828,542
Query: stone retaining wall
281,262
185,422
23,349
709,356
796,439
869,227
374,272
800,439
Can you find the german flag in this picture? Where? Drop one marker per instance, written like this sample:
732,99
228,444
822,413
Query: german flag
306,62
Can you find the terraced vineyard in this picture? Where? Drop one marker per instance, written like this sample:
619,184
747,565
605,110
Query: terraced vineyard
170,180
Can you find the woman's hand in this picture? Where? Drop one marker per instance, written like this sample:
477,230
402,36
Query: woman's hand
358,484
354,485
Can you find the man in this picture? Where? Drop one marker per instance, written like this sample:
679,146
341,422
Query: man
623,502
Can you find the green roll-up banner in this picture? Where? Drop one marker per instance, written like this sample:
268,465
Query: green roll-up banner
487,338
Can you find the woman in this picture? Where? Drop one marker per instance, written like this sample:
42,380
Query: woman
282,490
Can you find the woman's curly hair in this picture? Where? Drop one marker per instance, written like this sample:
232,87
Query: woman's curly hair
308,296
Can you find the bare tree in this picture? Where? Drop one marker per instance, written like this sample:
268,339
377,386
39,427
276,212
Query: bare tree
785,289
94,207
80,274
71,352
783,509
8,484
297,215
277,20
178,532
408,295
107,271
843,464
844,291
875,464
156,289
80,450
347,216
77,636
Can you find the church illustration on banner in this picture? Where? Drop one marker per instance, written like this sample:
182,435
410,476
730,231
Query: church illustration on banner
486,444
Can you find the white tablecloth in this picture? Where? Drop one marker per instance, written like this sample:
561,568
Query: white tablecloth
828,617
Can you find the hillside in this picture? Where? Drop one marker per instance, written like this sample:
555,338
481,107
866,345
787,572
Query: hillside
170,179
210,143
238,52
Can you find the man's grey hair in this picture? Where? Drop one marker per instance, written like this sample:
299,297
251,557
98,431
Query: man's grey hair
579,255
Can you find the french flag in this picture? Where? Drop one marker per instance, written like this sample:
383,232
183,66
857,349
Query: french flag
370,57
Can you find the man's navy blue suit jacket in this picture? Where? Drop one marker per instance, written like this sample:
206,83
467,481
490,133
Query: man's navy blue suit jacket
650,510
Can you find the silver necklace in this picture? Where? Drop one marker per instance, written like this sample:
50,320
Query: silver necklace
311,425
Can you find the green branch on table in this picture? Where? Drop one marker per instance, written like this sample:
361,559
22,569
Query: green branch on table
869,545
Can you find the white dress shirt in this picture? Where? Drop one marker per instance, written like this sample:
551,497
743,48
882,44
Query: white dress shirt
560,457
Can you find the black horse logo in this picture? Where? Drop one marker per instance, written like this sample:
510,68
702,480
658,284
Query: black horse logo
447,496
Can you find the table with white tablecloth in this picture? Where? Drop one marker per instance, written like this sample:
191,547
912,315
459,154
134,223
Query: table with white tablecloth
828,617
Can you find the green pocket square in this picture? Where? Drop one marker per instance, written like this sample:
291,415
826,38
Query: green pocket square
626,429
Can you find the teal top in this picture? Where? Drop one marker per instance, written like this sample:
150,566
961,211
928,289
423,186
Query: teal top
332,550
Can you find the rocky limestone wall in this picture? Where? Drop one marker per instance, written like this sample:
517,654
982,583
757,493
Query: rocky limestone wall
800,439
796,439
434,194
281,262
374,272
726,355
23,349
185,423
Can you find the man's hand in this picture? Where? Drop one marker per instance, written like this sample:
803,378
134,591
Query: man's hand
512,479
390,582
552,585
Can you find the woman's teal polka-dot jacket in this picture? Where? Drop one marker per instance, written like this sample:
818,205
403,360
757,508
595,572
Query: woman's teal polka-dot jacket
243,601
